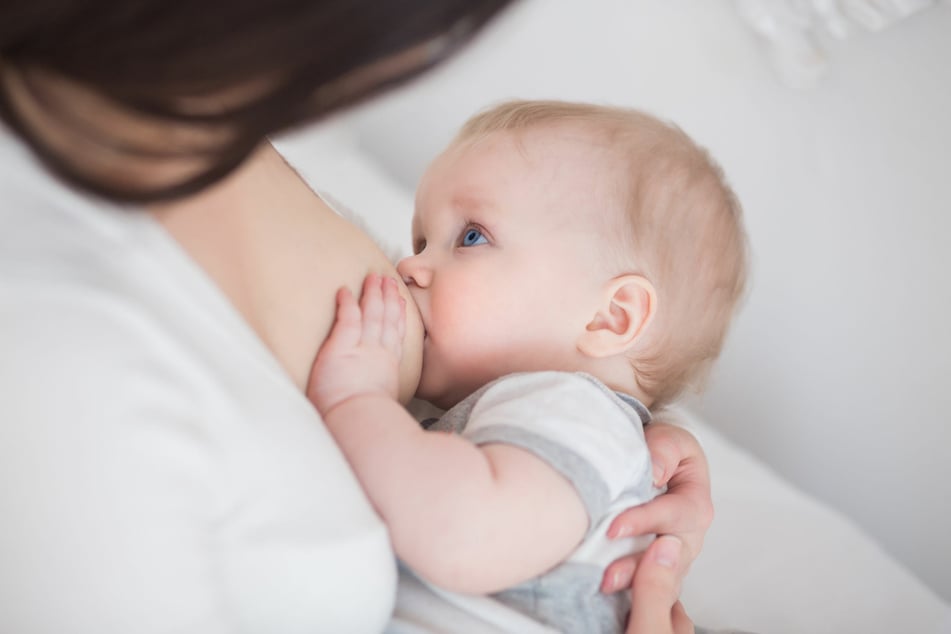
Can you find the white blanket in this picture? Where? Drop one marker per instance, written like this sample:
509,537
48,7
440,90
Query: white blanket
777,561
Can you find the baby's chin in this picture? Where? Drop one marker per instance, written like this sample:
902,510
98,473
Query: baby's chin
425,392
443,396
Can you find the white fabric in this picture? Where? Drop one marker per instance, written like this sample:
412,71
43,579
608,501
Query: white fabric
424,609
158,470
777,561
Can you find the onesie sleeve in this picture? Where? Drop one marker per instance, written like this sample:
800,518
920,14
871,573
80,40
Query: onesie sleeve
584,431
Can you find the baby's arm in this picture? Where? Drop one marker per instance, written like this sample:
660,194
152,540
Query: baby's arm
467,518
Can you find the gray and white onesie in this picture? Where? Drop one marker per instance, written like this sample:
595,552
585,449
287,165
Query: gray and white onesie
594,437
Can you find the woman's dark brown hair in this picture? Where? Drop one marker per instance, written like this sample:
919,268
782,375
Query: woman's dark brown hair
241,69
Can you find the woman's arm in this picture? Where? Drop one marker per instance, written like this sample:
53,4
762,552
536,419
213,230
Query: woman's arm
445,500
685,511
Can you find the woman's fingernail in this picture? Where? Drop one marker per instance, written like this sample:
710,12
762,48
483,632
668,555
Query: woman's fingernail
658,473
616,581
667,552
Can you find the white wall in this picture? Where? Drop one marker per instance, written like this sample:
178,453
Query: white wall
837,370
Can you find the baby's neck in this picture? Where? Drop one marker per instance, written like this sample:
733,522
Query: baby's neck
617,374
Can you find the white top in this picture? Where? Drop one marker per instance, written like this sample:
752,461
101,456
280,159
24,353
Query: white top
159,472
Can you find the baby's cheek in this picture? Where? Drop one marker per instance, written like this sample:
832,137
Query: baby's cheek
411,362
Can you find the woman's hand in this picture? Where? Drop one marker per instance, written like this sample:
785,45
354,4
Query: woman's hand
656,586
685,511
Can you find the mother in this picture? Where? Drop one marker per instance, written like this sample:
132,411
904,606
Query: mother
161,303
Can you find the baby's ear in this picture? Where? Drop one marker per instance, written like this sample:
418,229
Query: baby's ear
628,304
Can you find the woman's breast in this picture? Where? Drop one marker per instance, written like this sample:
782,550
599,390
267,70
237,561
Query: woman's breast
347,255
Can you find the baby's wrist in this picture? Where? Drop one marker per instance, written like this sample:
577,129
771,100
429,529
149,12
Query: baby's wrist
331,409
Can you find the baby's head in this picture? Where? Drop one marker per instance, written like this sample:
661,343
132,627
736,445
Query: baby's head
576,237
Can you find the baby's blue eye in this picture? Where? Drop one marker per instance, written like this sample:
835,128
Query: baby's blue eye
473,237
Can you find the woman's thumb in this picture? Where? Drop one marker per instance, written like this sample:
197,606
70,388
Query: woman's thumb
656,587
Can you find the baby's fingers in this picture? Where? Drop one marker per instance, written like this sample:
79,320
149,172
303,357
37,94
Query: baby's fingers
346,329
371,305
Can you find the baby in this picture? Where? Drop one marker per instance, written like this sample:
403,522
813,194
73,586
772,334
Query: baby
574,266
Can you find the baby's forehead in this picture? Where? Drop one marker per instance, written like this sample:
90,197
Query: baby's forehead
544,140
561,156
572,165
578,162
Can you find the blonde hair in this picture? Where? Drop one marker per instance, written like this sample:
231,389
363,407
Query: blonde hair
682,230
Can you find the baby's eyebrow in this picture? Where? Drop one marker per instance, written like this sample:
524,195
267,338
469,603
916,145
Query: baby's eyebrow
469,203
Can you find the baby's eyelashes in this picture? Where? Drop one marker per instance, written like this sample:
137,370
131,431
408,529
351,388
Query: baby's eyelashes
472,236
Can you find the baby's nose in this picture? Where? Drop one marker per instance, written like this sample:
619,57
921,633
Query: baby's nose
414,271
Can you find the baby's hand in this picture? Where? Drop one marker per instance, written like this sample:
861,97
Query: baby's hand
361,356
